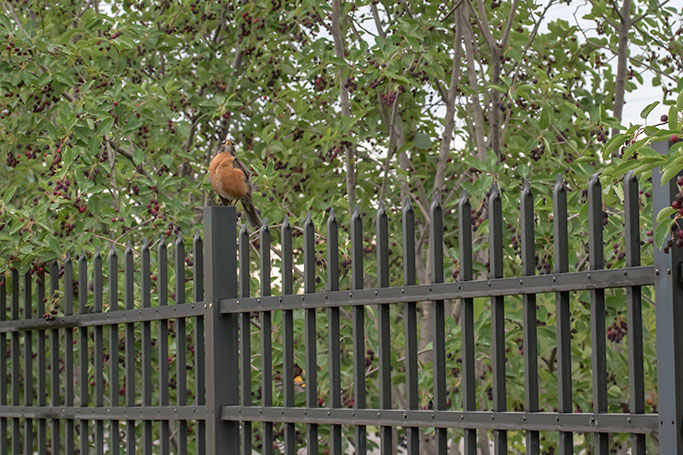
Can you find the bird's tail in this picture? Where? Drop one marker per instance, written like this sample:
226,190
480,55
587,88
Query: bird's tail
250,210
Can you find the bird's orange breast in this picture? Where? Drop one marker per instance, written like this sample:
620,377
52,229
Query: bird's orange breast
228,182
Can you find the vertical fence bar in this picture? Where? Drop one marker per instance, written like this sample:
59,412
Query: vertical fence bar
55,399
358,329
669,315
145,290
310,334
634,309
245,333
497,316
99,351
222,363
529,316
42,364
266,340
28,363
334,330
410,317
83,351
70,442
16,430
130,348
597,297
438,319
384,326
469,400
114,386
181,342
3,365
200,352
562,310
288,329
162,292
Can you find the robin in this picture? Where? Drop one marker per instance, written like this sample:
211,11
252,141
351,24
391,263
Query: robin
230,180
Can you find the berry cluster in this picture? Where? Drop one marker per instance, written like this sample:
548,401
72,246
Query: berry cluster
617,331
320,83
538,152
388,97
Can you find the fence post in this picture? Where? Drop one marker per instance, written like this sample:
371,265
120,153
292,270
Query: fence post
220,331
669,313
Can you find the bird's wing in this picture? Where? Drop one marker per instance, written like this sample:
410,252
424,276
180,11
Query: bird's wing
237,164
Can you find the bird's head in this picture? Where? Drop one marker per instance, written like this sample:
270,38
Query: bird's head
228,146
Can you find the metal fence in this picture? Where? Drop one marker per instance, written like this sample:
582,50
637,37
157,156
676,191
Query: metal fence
200,400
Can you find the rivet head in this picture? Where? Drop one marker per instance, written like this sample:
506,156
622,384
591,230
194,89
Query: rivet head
462,417
588,276
657,272
493,417
376,292
403,291
668,271
554,278
378,414
628,419
524,418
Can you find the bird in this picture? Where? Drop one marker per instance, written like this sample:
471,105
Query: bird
230,179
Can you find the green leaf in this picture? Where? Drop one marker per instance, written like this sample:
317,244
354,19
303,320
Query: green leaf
672,170
665,213
105,126
673,117
662,232
422,141
645,112
612,144
138,156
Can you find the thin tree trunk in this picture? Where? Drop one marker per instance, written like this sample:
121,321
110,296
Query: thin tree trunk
478,120
622,61
450,106
344,101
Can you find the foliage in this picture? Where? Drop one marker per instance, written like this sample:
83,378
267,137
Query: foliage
110,113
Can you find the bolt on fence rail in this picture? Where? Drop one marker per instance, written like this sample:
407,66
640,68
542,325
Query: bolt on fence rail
195,366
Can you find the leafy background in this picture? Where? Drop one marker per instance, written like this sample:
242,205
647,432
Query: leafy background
110,113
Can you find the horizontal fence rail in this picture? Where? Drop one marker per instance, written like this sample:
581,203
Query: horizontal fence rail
560,282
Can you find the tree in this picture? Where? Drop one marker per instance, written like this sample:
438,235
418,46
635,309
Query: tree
111,113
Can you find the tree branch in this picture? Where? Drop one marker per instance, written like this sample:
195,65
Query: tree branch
622,62
378,22
449,124
468,37
344,101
